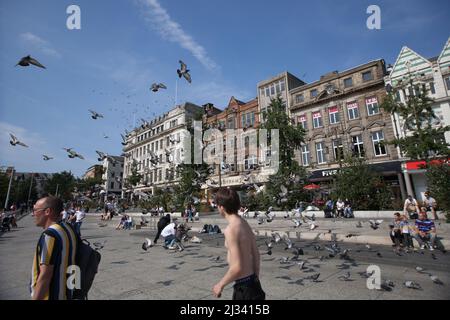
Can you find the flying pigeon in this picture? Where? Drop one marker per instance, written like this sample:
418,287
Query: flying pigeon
26,61
72,154
297,223
276,237
412,285
124,139
156,86
14,141
375,224
46,158
101,155
287,241
184,72
284,260
95,115
147,244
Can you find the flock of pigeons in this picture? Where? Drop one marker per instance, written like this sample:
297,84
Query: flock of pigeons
27,61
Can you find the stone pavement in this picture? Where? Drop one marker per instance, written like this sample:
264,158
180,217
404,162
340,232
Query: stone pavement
128,272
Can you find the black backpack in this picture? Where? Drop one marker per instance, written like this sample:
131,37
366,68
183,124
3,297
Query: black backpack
87,259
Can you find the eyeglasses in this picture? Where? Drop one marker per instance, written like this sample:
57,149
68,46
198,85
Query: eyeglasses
41,209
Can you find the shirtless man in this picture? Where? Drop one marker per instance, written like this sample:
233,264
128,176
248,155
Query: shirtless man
243,255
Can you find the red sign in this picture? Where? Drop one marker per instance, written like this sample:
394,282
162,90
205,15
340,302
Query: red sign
352,105
316,115
333,109
301,118
420,165
371,100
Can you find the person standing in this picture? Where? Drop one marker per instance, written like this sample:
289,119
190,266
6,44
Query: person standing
79,217
55,252
243,255
162,223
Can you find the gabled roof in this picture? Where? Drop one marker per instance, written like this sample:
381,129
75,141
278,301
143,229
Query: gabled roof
406,52
445,52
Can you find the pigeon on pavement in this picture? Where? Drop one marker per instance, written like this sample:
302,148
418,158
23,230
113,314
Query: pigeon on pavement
147,244
412,285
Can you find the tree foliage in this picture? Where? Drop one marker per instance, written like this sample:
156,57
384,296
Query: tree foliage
365,189
438,176
422,140
64,182
290,174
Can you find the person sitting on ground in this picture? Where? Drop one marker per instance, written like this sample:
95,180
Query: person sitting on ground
340,208
430,204
406,232
129,223
121,223
348,212
425,231
169,233
411,207
329,207
396,230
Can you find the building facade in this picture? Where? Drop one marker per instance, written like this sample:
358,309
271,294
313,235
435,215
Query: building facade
156,147
342,116
281,85
94,171
112,175
433,74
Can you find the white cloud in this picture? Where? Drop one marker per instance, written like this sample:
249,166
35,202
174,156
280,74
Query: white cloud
38,43
172,31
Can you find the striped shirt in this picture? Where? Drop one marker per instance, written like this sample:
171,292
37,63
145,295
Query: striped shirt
424,225
56,247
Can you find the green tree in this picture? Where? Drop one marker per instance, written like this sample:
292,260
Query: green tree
21,190
135,178
290,174
422,140
64,182
438,179
365,189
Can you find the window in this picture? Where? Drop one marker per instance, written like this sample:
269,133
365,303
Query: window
353,112
372,106
283,86
313,93
378,146
432,88
267,92
320,153
338,150
112,185
250,162
277,86
358,146
447,82
299,98
161,144
367,76
397,96
160,175
302,120
348,83
305,155
230,123
272,90
334,115
317,120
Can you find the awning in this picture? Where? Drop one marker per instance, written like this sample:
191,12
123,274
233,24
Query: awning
384,168
311,186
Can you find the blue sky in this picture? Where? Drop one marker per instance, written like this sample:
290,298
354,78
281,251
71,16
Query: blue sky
124,46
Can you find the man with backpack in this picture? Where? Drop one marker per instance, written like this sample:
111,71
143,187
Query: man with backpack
60,254
58,240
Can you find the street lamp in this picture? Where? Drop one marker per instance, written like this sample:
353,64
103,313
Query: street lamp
9,187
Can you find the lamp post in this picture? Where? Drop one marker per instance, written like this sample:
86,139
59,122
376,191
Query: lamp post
9,188
29,191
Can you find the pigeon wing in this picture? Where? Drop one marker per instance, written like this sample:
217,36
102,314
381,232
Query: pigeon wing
13,137
22,144
183,66
35,62
187,76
